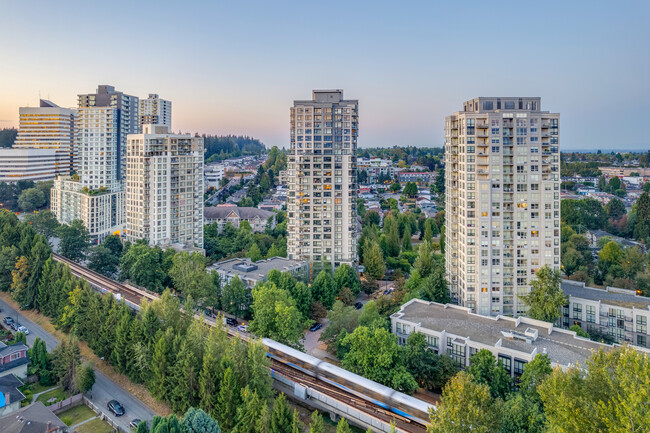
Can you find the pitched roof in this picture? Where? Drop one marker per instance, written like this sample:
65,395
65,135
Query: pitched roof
246,213
9,385
30,419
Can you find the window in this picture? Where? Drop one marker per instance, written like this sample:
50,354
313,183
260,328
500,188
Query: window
591,314
641,324
641,340
519,367
507,362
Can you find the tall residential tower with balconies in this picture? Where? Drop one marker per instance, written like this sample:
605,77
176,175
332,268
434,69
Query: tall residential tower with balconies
155,111
502,206
322,176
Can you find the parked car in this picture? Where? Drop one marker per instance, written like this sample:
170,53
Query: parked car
116,407
135,422
23,329
230,321
15,326
358,305
243,328
8,321
315,327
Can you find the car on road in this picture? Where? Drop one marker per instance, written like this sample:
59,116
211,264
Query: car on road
15,326
135,422
315,327
243,328
116,407
230,321
358,305
8,321
23,329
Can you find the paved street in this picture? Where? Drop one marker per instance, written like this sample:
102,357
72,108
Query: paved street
104,389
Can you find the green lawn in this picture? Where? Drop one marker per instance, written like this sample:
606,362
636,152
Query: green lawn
57,393
95,426
76,415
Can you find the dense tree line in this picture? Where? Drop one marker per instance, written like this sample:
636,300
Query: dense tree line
220,147
7,137
606,394
25,195
238,242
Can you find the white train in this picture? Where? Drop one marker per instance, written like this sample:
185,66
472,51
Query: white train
399,403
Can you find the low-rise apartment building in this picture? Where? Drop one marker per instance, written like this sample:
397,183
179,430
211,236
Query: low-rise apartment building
415,176
621,314
224,214
456,331
252,273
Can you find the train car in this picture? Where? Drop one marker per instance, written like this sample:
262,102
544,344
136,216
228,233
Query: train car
402,405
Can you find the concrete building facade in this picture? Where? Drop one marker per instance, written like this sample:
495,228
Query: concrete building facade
502,201
27,164
49,126
620,314
155,111
164,188
322,176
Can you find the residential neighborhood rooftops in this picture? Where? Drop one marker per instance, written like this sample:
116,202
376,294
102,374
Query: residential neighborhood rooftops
611,295
222,212
35,418
521,334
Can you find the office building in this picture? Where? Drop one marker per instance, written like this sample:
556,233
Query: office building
164,188
322,176
49,126
502,201
27,164
95,194
620,314
155,111
457,332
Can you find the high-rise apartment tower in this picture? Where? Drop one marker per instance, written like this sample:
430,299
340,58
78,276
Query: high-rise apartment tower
322,179
155,111
164,188
502,207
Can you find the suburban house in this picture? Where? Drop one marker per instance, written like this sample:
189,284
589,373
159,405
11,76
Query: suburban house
35,418
222,215
13,360
10,395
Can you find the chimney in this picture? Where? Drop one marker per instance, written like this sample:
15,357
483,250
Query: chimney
7,400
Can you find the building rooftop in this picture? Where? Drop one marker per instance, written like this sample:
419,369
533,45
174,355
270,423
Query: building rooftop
562,346
611,295
246,269
221,212
35,418
9,385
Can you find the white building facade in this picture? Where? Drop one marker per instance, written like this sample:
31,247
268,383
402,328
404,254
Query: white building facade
27,164
322,176
155,111
164,188
502,201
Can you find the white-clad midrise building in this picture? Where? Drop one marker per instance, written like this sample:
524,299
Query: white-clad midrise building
502,201
164,188
322,176
27,164
155,111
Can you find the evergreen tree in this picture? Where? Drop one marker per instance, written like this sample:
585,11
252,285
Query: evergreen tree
373,260
296,425
316,425
197,421
185,382
281,417
406,239
227,401
324,289
254,253
161,366
248,413
122,354
343,426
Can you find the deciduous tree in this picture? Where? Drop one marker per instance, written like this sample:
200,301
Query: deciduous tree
546,297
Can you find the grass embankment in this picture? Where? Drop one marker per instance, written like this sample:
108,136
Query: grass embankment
138,390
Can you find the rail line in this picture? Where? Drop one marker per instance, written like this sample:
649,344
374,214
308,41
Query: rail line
135,296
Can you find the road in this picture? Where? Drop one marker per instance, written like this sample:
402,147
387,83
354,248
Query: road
104,389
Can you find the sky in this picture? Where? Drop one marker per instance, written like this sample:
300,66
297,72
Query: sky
235,67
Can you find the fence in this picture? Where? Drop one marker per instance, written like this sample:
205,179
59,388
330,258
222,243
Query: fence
68,403
103,416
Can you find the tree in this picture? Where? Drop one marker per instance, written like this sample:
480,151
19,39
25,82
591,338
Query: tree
296,425
20,277
395,187
535,372
75,240
31,199
343,426
276,315
484,368
615,209
642,225
281,417
466,407
114,244
406,239
373,218
189,276
374,354
324,289
66,358
142,265
608,394
345,276
373,260
546,297
431,371
521,415
227,401
102,260
197,421
341,318
84,378
411,189
234,298
44,222
370,316
254,253
316,425
578,330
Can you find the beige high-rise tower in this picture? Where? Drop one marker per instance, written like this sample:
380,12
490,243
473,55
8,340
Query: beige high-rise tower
502,206
322,176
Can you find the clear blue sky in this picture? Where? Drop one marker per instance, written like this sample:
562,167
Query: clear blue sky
236,66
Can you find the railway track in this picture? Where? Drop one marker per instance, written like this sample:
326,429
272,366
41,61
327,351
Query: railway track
135,296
